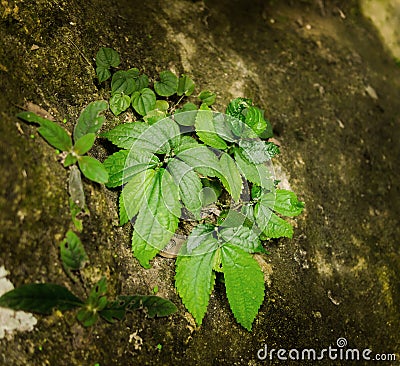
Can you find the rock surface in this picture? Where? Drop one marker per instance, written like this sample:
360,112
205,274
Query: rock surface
331,92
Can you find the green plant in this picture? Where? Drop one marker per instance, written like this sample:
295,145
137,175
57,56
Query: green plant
43,298
88,124
179,158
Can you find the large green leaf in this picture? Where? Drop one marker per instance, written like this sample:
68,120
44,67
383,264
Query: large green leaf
167,85
136,191
125,135
189,185
244,283
242,237
270,224
205,129
158,137
202,159
185,85
55,135
123,165
40,298
119,103
257,151
284,202
230,176
182,143
143,101
197,236
195,278
90,120
254,173
186,116
157,219
93,169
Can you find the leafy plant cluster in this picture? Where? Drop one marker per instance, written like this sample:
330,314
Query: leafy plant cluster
177,160
171,157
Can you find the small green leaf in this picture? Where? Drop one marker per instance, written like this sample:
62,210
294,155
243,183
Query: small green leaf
143,101
92,169
257,151
185,86
84,143
284,202
107,57
90,120
103,73
96,302
124,82
55,135
75,212
244,283
167,85
73,253
207,97
70,159
162,105
157,306
142,81
237,106
194,279
40,298
205,129
123,165
230,176
255,119
119,103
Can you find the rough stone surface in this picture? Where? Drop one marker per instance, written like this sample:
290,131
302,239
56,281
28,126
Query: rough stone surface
331,91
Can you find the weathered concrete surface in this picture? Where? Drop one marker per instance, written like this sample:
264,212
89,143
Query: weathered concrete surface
331,92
